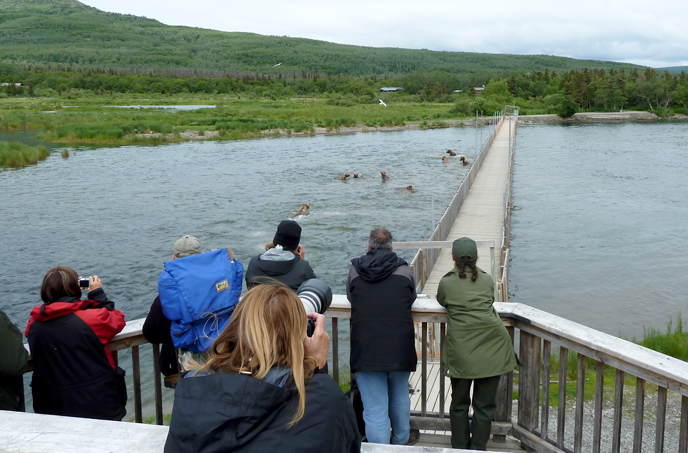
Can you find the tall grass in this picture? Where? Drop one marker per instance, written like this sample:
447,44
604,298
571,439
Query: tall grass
18,155
673,343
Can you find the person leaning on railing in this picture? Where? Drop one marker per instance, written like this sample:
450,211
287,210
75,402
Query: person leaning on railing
156,327
13,358
262,389
74,371
477,349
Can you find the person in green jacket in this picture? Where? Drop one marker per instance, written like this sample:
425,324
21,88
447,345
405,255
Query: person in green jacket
13,358
477,349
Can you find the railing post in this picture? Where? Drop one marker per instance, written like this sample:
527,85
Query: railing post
529,381
138,412
158,384
424,370
335,350
504,396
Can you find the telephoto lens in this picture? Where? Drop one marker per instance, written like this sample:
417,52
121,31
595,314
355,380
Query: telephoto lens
316,297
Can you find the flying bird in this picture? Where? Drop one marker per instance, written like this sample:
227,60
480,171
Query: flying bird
383,103
277,65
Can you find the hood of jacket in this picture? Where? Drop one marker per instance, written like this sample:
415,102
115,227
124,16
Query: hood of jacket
377,264
277,262
229,409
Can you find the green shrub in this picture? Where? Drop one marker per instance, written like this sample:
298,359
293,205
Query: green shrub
18,155
567,108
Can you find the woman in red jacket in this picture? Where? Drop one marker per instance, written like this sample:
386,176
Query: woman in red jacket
74,371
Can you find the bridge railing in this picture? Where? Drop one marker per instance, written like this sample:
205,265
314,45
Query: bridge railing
546,344
425,259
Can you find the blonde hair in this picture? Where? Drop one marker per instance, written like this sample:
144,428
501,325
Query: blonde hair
271,245
267,330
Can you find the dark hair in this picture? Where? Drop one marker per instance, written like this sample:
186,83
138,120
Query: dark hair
59,282
380,238
461,264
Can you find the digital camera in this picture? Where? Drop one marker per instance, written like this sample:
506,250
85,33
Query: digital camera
316,297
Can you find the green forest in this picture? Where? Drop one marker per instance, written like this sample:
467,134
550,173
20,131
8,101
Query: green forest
73,61
69,33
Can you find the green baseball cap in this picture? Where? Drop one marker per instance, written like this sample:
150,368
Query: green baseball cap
464,248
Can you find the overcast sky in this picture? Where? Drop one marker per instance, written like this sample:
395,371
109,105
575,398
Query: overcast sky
652,33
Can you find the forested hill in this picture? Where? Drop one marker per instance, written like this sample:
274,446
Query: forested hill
69,33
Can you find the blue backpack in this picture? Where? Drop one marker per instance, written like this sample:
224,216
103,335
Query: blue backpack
198,294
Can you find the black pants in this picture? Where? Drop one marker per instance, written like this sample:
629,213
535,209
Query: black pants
473,437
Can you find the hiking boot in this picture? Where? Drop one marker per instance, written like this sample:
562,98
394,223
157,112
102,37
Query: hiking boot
414,435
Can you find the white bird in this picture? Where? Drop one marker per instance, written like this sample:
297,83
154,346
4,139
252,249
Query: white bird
277,65
383,103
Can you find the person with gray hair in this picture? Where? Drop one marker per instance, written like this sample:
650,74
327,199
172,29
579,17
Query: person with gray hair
382,289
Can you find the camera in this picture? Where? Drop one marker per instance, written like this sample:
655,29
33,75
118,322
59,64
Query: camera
83,282
316,297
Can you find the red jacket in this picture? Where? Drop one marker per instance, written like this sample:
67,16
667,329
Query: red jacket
74,371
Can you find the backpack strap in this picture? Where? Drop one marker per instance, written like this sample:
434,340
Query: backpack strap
231,255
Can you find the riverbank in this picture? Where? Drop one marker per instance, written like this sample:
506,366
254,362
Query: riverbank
596,117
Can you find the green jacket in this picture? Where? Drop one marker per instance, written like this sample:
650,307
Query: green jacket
477,343
13,359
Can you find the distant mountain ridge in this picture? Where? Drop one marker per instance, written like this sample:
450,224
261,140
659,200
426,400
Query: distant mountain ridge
69,33
675,69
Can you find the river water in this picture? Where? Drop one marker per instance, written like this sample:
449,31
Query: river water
116,212
599,235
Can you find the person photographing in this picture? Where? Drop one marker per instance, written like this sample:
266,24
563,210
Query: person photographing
74,371
261,389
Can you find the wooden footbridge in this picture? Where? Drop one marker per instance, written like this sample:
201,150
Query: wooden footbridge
533,410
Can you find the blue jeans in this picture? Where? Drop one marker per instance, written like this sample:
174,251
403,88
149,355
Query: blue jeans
386,404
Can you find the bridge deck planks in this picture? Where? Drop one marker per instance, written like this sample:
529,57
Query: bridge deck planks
482,214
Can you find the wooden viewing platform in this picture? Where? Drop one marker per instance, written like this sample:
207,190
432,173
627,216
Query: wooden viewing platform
646,408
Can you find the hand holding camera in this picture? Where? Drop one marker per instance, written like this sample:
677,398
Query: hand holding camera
318,344
92,283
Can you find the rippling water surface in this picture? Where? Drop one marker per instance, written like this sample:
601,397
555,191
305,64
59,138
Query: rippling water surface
600,235
116,212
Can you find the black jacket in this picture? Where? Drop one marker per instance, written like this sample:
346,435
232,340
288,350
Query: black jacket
156,329
13,357
286,268
74,371
234,412
381,290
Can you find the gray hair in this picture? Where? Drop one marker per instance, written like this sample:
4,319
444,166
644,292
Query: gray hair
380,238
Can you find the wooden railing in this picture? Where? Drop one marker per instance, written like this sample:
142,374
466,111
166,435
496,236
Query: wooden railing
425,258
542,339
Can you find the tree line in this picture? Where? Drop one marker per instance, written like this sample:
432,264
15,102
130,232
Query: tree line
533,92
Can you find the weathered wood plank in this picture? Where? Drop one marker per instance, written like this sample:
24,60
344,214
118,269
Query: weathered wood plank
443,335
618,411
599,394
533,441
561,413
661,419
25,432
158,384
683,432
424,367
136,367
436,245
639,416
580,394
335,349
529,381
546,369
